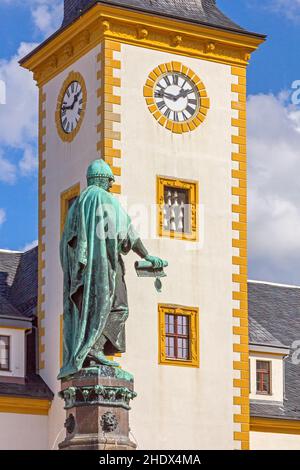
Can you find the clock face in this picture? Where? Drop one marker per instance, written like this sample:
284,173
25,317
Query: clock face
71,105
177,97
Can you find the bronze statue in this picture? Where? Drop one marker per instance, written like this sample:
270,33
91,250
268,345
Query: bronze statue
97,232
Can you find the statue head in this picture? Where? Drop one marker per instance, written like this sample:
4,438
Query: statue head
99,174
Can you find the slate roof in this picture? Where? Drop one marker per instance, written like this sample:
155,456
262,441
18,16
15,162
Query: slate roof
195,11
277,309
34,387
258,335
18,306
18,283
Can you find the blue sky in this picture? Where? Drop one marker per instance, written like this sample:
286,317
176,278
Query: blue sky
274,130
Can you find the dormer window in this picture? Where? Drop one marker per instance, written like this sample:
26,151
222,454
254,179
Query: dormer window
263,377
4,353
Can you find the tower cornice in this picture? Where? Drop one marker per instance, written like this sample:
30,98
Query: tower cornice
145,30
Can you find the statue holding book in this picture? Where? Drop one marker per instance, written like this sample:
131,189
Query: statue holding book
97,233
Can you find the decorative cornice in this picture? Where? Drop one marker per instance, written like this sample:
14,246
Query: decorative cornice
112,396
145,30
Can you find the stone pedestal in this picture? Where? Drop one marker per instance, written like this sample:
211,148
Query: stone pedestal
97,407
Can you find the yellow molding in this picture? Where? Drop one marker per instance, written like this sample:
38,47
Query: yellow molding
266,353
139,29
65,197
41,217
272,425
193,191
239,242
108,105
14,328
193,314
30,406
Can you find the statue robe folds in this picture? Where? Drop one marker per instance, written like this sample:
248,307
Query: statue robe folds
97,231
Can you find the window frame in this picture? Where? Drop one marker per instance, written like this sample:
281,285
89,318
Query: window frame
178,336
9,354
193,197
269,375
65,197
193,316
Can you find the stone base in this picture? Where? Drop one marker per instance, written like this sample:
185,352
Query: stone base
90,442
97,408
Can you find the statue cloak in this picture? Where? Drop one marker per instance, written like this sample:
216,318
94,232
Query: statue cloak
97,231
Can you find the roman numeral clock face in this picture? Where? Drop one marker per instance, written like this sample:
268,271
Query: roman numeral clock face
71,107
176,97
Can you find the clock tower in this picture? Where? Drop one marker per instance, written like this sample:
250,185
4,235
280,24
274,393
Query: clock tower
158,90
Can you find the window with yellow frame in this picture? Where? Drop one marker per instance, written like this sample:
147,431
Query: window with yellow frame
178,335
177,202
66,200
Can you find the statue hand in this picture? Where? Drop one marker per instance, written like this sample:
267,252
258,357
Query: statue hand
156,262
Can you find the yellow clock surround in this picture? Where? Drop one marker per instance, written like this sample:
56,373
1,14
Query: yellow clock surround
72,77
149,91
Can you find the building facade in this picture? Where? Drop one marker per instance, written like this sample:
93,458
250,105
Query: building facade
159,92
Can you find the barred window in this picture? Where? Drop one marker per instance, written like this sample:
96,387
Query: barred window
177,204
176,210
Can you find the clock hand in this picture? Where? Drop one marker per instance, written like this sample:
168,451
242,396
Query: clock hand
65,108
75,99
170,97
184,93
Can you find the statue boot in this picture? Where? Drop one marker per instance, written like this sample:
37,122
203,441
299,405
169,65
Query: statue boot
97,356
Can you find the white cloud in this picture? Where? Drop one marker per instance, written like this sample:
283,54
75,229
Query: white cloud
46,14
2,216
18,117
7,170
30,245
288,8
274,188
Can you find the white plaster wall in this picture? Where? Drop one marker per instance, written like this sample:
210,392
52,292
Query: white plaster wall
277,384
274,441
66,165
177,407
23,432
181,407
17,350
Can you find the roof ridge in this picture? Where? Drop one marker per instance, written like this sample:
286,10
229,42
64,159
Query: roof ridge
199,11
289,286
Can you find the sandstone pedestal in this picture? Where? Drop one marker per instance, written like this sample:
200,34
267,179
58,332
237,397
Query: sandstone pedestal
97,407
